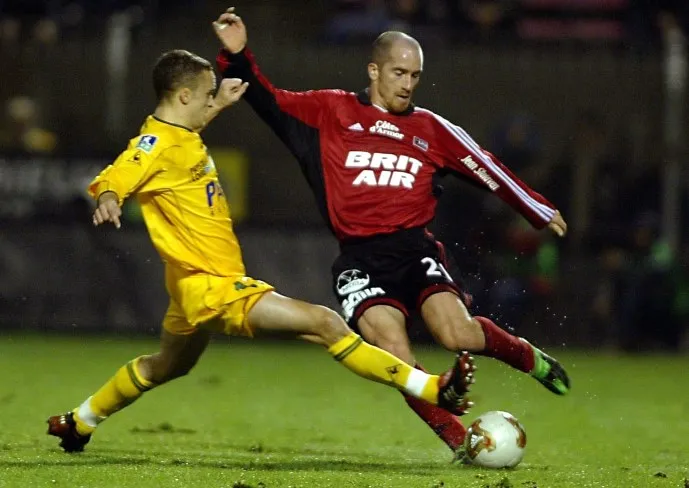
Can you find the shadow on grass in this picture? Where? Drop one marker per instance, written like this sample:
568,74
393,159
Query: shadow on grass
316,465
227,450
223,460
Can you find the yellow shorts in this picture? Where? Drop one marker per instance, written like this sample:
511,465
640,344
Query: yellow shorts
216,303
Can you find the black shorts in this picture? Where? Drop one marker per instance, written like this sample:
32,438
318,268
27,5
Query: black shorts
400,269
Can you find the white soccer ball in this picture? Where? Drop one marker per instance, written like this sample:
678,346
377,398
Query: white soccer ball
495,440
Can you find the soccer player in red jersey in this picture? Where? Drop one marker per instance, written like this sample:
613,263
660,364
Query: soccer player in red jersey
370,159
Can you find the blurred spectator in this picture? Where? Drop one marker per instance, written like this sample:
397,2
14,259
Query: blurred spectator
651,292
517,142
648,18
405,14
22,133
362,20
482,19
45,21
524,270
641,21
29,20
622,239
568,20
355,20
589,184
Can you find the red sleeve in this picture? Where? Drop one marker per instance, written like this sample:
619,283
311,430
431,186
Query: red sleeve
463,155
270,102
295,117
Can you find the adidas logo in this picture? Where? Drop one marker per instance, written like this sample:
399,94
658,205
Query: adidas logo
356,127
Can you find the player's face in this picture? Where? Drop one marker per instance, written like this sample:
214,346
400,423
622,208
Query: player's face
393,83
202,99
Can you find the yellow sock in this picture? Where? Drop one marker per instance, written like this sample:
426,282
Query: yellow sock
377,365
121,390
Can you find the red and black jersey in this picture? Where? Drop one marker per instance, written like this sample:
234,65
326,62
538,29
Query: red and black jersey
372,171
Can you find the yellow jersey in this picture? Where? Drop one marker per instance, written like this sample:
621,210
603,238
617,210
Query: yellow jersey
169,169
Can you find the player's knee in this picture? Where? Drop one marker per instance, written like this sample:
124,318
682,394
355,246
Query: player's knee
163,368
459,335
328,325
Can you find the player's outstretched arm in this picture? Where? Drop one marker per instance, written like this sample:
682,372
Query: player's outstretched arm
287,112
465,157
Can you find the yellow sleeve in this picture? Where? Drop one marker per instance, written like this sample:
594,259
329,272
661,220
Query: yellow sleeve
131,170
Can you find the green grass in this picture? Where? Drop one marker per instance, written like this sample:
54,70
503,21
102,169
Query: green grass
285,415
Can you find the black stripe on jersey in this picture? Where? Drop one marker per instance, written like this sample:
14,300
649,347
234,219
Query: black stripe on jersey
302,140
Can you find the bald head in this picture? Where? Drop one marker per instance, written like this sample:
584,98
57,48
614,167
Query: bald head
394,71
383,45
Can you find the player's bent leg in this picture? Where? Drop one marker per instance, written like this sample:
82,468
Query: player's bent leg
75,428
450,323
179,351
177,356
280,314
453,327
274,312
385,326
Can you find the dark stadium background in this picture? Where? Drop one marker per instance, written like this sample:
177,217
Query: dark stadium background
584,100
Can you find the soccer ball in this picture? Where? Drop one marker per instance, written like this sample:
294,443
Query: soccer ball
495,440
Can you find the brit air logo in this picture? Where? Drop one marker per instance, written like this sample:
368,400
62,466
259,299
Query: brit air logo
396,170
480,172
385,128
147,142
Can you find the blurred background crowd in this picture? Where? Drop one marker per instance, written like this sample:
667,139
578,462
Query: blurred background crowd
583,99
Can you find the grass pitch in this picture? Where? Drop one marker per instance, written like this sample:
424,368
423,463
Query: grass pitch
257,414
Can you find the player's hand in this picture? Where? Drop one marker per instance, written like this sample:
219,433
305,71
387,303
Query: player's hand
229,93
108,210
557,224
231,31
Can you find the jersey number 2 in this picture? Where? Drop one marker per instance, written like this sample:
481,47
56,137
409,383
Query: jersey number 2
435,269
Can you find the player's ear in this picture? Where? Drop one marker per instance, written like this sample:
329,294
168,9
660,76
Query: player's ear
185,95
373,71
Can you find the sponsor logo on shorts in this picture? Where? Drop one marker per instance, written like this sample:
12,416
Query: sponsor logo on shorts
351,280
354,299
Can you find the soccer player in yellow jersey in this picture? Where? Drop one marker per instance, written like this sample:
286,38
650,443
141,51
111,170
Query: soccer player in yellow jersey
170,171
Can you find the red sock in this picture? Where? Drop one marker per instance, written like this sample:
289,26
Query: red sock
505,347
444,424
